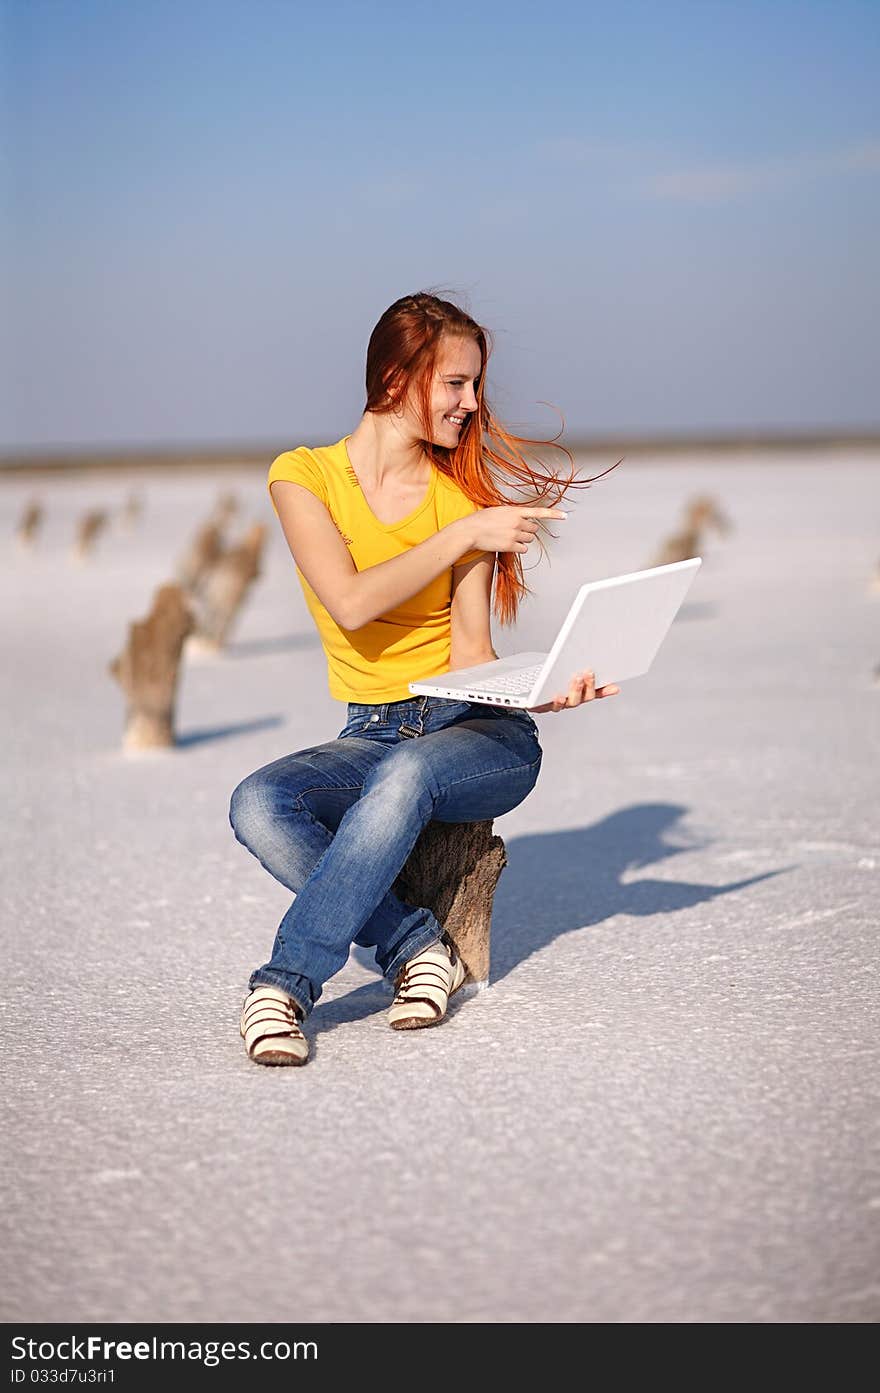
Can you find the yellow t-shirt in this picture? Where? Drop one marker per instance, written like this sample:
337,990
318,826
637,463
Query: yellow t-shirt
376,662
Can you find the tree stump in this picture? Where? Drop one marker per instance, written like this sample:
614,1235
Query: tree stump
132,511
204,551
453,870
224,588
700,514
225,509
681,546
705,511
89,528
148,668
29,524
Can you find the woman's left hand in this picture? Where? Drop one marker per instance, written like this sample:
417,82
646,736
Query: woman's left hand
583,688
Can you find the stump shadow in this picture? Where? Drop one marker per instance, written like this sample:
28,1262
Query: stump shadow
697,609
259,647
557,882
198,737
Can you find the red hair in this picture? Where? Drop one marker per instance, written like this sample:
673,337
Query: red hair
402,353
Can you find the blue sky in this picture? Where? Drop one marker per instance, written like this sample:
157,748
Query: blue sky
668,214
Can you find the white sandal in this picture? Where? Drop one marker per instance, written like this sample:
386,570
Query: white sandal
424,987
270,1028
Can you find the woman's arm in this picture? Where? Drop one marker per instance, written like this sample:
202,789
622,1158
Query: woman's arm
353,597
471,612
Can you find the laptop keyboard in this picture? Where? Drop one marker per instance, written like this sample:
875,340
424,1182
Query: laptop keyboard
517,683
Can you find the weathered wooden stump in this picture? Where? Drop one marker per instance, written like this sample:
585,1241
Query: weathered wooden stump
148,667
705,511
132,511
681,546
700,514
224,588
225,509
29,524
204,551
453,870
89,528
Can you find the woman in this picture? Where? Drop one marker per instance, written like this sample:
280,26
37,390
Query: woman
396,532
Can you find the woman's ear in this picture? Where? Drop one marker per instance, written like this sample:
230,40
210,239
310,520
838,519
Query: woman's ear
393,397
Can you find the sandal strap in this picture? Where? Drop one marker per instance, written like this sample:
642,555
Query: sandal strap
426,985
267,1019
266,1016
424,977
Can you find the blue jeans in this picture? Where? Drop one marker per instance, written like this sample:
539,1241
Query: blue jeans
335,823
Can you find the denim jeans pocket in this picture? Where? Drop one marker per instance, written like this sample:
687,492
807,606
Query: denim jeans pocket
516,713
362,725
521,712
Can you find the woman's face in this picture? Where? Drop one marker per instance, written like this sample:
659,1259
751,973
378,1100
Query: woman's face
453,391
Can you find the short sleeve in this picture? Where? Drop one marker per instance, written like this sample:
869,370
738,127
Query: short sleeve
298,467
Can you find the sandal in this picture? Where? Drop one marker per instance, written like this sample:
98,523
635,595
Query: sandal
269,1026
424,987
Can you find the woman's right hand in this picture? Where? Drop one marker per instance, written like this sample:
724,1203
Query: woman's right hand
512,527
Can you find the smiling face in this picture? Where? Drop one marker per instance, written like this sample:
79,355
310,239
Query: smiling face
453,390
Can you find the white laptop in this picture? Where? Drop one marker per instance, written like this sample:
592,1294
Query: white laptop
614,628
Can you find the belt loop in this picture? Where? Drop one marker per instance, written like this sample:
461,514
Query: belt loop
383,713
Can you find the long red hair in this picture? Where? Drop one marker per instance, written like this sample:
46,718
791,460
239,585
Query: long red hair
488,459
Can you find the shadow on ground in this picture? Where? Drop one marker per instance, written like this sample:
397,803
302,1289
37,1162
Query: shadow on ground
197,737
700,609
558,881
257,647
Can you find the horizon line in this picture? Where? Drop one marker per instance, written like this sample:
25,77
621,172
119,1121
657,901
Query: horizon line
170,455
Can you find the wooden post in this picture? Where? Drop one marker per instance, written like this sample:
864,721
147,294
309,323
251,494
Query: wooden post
699,514
132,511
453,870
225,509
89,528
223,590
705,511
204,550
681,546
29,524
147,670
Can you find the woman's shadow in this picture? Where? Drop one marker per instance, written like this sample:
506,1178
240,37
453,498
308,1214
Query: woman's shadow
558,881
